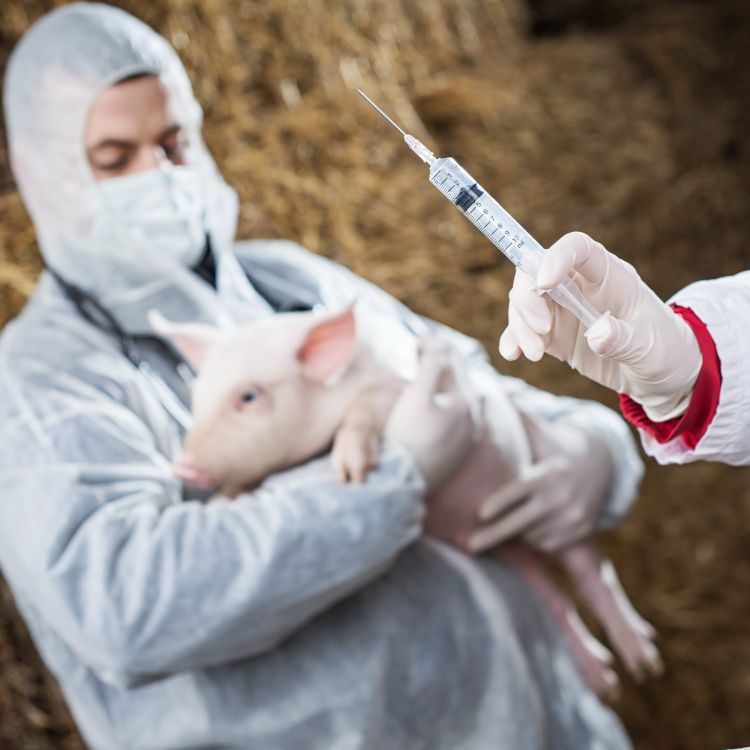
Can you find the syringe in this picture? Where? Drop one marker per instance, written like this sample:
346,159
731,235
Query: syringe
493,221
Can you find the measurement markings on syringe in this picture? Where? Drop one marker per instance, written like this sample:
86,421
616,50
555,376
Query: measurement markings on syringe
466,199
510,239
489,220
510,244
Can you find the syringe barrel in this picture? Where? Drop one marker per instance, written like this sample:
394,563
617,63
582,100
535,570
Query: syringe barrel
504,232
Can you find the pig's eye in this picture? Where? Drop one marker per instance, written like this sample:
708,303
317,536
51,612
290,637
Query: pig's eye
247,399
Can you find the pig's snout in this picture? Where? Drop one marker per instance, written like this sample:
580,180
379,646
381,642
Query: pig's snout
186,468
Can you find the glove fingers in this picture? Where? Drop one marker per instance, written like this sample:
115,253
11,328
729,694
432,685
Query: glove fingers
434,372
529,341
508,346
509,494
445,391
601,337
511,525
533,306
619,340
574,251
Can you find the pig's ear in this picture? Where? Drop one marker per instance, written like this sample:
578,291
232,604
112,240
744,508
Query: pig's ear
328,345
193,340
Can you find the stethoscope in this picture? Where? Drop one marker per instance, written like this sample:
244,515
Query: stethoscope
108,323
99,316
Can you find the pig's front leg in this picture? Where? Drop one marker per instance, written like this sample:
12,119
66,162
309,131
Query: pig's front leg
591,657
630,635
356,445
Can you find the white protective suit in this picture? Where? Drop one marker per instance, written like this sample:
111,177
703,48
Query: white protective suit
302,615
724,306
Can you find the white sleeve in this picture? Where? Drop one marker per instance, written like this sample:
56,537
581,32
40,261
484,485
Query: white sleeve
138,583
724,306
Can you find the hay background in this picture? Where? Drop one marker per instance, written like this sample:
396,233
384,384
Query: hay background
624,118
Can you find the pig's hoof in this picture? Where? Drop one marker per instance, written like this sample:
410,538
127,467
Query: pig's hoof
636,649
594,661
597,674
644,662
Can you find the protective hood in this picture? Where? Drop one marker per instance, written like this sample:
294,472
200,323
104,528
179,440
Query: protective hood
52,79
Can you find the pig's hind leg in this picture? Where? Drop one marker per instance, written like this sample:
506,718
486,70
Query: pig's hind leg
630,635
591,657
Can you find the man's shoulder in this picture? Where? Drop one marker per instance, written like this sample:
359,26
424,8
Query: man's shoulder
48,344
282,257
290,273
43,331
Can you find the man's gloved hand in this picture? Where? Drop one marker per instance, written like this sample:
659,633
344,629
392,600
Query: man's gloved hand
432,418
639,347
557,500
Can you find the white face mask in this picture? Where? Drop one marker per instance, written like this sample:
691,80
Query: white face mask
162,211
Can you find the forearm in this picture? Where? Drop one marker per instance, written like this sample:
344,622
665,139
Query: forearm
715,426
140,588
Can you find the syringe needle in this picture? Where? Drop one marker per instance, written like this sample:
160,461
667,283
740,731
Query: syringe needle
375,106
415,145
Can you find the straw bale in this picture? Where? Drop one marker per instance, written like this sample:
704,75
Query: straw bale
630,122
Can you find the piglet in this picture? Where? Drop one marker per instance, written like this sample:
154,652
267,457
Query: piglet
280,391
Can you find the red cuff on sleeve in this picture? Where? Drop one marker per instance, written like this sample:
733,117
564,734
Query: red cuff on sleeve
692,425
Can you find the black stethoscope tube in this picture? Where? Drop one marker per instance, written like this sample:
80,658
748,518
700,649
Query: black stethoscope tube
107,322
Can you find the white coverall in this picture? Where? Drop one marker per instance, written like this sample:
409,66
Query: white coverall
724,306
305,614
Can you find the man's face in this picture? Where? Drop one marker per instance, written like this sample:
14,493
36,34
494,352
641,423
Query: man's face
132,129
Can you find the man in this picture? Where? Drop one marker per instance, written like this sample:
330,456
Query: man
304,614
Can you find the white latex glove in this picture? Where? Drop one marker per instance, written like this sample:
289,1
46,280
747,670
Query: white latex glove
557,500
640,347
432,417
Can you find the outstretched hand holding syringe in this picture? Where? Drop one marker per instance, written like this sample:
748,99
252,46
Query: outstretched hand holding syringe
637,345
490,218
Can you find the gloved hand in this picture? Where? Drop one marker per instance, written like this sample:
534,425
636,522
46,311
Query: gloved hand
432,417
557,500
639,347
